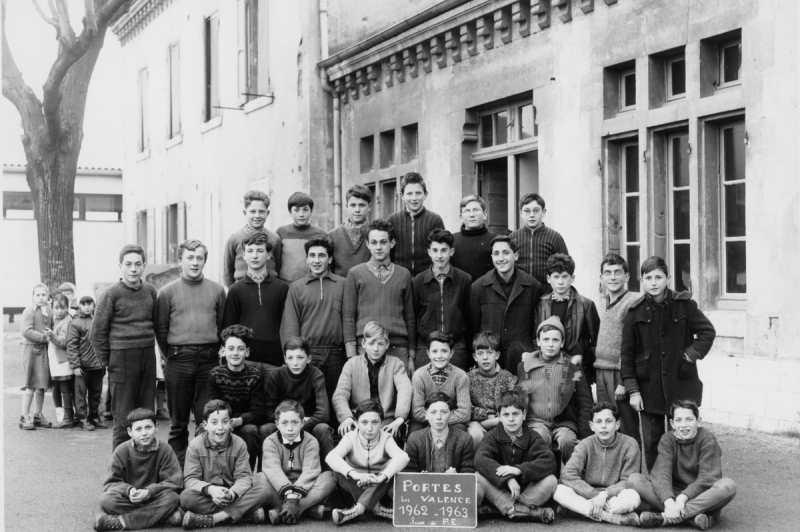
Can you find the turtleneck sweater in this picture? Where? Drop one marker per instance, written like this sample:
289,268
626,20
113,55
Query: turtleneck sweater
189,312
473,251
307,388
686,466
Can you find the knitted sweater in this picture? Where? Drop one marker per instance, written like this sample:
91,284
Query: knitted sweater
189,313
594,467
609,338
456,386
353,388
390,304
156,471
243,390
293,254
297,474
314,311
686,466
381,455
411,249
345,254
473,251
80,350
218,467
235,266
307,388
124,319
535,247
458,452
485,391
529,453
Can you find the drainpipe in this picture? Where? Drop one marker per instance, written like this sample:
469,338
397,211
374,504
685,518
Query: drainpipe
337,136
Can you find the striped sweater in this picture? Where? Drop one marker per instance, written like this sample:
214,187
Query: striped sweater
456,386
189,313
535,247
293,254
411,250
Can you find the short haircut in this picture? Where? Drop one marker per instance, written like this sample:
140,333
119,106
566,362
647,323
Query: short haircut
441,236
191,245
548,328
139,414
654,263
382,225
300,199
469,199
688,404
289,405
215,405
242,332
605,405
512,398
258,239
440,397
560,263
612,259
85,300
527,198
61,299
297,342
132,248
439,336
412,178
38,285
504,238
485,340
373,329
360,192
255,195
369,405
322,241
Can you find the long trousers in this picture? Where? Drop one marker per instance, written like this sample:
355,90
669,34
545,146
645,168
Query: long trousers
369,497
534,494
323,486
565,438
625,502
142,514
710,501
331,361
254,498
88,389
653,427
132,381
607,382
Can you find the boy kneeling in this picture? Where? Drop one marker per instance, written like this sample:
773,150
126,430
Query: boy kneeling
296,484
689,464
516,468
143,480
594,481
220,485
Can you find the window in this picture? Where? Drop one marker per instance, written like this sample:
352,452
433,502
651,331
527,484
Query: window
627,89
678,202
85,207
409,143
619,87
367,154
17,206
143,138
255,66
141,229
676,76
631,201
508,124
389,202
172,233
174,90
387,149
211,67
733,210
730,62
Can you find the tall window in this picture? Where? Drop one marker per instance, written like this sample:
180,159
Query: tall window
676,76
627,89
732,185
141,229
211,67
256,82
631,201
143,137
174,90
678,200
730,62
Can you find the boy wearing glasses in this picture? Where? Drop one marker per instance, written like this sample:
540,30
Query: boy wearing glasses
536,241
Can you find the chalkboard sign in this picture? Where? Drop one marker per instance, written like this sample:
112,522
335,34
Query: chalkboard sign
436,499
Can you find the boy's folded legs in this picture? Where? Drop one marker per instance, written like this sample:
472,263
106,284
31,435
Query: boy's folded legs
136,516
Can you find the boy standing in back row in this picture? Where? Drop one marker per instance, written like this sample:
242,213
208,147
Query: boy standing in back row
256,210
350,238
536,241
294,235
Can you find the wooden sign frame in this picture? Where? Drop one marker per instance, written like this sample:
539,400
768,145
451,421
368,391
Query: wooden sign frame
439,501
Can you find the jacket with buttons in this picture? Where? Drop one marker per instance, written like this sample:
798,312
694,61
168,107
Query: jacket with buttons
684,330
529,453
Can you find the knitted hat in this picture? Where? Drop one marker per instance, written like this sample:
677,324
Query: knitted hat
66,286
555,321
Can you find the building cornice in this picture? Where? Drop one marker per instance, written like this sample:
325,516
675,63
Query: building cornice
140,14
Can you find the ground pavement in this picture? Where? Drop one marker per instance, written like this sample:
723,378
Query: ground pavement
52,478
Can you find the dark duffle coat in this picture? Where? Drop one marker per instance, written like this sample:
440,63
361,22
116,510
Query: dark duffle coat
655,338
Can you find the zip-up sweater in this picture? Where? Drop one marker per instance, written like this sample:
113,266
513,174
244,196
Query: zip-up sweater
456,386
609,336
299,473
156,471
411,249
124,319
211,467
687,467
442,307
594,467
80,350
381,455
260,307
345,253
314,311
529,453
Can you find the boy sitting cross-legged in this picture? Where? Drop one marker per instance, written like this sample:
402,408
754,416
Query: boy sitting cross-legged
220,485
594,481
291,462
440,376
516,468
144,477
486,382
364,463
686,482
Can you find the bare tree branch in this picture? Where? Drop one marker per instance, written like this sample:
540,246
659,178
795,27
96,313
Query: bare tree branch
45,17
90,19
67,36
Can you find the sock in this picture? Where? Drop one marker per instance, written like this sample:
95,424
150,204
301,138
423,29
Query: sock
38,401
57,394
27,399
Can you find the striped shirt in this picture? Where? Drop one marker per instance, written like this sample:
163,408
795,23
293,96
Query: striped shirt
535,247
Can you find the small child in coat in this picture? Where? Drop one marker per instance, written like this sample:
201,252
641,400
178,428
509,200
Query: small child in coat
36,333
86,367
60,372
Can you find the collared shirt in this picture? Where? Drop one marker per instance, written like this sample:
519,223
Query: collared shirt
382,271
219,447
258,278
153,447
439,376
611,304
507,286
440,276
438,443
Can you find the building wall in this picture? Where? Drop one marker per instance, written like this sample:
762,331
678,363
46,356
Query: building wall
564,67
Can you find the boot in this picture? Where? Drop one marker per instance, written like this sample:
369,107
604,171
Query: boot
68,421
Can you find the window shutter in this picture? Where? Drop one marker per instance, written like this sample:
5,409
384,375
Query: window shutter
151,235
241,56
145,112
164,234
263,46
181,221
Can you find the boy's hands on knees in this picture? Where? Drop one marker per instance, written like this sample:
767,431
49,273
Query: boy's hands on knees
672,511
138,496
598,504
394,426
221,496
514,488
346,426
236,422
619,392
505,470
290,511
636,402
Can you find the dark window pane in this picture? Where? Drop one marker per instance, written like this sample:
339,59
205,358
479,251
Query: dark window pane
630,90
736,267
680,161
409,144
526,130
632,219
631,169
678,80
633,267
103,208
386,149
681,268
487,136
501,123
680,214
76,208
733,148
367,154
731,62
735,210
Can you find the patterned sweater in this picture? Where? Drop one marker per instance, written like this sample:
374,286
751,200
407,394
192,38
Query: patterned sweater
456,386
535,247
294,467
293,254
485,390
609,339
243,390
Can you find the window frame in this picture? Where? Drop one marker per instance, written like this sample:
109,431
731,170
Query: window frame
174,101
211,67
668,62
513,111
623,146
724,239
670,190
623,73
721,47
79,200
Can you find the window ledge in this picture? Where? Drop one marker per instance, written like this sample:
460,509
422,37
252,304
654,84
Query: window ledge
142,155
211,124
732,303
174,141
258,103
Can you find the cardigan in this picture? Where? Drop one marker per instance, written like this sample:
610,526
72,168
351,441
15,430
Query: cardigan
456,387
529,453
307,388
189,313
594,467
235,267
345,255
458,452
382,455
293,254
442,306
411,249
313,310
124,319
609,336
535,247
156,471
353,388
210,467
687,467
473,251
297,474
